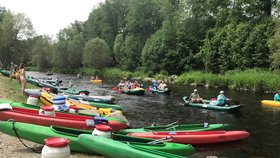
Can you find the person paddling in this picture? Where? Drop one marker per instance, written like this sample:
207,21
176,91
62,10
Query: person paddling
277,96
221,99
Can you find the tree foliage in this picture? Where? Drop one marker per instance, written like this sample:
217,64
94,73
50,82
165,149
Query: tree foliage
97,54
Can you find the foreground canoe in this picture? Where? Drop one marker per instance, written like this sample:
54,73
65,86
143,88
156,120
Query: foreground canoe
112,148
154,90
270,103
206,105
134,91
60,119
101,99
37,134
34,107
175,127
200,137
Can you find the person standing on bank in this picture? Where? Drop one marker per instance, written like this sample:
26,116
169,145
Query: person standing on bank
22,77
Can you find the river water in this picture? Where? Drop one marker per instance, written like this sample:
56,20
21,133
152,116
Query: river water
263,123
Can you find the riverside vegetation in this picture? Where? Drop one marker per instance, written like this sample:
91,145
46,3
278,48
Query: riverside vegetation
257,80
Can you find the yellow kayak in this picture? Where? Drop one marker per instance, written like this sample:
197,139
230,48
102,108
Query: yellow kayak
96,81
47,99
270,103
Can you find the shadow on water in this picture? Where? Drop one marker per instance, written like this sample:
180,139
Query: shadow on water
262,122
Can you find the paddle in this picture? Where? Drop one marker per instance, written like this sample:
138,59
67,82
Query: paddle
157,141
172,127
171,124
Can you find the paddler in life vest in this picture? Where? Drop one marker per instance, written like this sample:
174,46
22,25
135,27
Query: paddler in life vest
277,96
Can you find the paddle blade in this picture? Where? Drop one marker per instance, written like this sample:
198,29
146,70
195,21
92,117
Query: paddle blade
114,88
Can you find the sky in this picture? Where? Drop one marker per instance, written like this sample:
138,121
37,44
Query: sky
49,16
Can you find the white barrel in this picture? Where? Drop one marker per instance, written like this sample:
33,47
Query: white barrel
56,148
47,111
103,131
33,100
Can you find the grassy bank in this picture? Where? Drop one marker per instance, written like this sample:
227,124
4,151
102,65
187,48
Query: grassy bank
12,90
253,79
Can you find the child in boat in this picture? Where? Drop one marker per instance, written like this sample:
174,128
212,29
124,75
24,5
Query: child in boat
195,98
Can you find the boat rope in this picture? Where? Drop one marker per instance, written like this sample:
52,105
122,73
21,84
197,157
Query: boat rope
15,130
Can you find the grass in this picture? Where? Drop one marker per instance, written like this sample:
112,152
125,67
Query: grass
12,90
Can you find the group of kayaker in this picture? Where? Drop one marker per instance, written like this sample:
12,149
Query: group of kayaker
128,85
160,85
220,101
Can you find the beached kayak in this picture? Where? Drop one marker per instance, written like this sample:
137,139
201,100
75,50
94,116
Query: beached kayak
101,99
74,91
199,137
176,127
134,91
37,133
59,119
80,112
47,99
112,148
206,105
270,103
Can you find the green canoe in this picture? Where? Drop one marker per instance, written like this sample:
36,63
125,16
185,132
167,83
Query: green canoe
206,105
29,106
112,149
175,127
74,91
36,133
101,105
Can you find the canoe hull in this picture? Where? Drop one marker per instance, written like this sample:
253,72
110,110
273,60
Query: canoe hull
112,148
270,103
201,137
208,106
181,127
60,119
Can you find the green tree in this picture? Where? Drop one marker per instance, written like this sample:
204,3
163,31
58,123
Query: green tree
97,54
41,52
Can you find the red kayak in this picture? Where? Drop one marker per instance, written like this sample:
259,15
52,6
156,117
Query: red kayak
60,119
200,137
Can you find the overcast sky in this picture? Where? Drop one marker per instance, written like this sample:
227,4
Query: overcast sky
49,16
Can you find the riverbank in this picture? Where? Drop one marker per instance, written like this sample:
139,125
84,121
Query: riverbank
11,147
256,80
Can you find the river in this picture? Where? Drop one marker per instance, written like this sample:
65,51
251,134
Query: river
263,123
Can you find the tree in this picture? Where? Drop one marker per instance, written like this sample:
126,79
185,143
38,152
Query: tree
97,54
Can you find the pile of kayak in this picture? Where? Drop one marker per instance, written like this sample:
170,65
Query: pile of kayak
96,125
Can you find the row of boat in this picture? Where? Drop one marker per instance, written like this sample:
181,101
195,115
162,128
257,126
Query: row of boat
174,140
